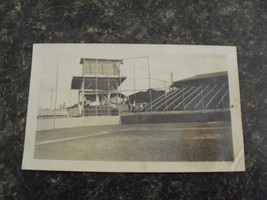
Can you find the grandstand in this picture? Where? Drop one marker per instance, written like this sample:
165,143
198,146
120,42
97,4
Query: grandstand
204,97
202,92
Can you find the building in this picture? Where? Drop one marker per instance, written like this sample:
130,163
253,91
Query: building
98,92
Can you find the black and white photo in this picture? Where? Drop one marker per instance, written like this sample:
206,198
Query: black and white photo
134,108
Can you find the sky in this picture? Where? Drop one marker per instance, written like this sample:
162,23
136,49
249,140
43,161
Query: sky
183,61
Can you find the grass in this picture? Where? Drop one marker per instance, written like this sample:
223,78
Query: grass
138,142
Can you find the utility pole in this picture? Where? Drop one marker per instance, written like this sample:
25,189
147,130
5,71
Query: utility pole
55,107
51,100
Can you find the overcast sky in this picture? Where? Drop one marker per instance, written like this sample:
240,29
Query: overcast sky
182,61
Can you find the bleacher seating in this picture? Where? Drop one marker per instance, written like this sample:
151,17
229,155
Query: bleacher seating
200,97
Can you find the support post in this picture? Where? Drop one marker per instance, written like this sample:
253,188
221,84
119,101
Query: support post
166,106
134,80
70,89
96,86
79,93
51,100
117,98
83,90
55,107
108,95
120,78
150,95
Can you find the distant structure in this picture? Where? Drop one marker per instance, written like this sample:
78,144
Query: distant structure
98,92
144,96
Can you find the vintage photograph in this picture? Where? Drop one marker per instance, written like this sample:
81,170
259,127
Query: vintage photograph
134,108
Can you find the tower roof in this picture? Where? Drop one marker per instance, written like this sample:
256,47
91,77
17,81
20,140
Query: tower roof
99,60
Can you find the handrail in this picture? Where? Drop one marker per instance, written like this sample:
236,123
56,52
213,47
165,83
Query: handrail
181,96
187,97
152,102
160,100
206,95
177,92
222,97
157,98
214,95
195,97
169,100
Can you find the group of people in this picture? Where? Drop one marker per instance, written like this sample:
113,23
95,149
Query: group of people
133,107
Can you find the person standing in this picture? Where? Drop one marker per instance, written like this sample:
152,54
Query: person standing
133,106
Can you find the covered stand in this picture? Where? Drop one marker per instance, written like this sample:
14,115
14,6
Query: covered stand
98,87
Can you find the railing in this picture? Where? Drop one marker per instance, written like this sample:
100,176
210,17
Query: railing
184,92
223,97
214,95
190,98
187,97
200,93
209,92
163,97
173,96
155,101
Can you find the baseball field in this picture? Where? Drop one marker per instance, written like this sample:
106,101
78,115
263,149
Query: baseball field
210,141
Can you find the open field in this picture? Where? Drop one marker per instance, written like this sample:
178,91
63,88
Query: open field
210,141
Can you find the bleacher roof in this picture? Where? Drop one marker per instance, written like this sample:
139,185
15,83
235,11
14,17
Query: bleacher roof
209,77
204,76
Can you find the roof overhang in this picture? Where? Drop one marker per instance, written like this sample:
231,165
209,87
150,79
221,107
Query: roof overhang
209,77
203,76
99,82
